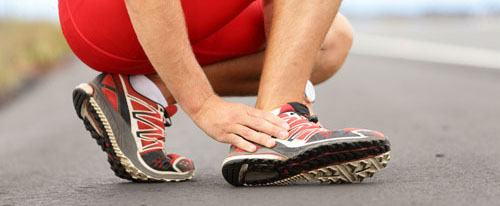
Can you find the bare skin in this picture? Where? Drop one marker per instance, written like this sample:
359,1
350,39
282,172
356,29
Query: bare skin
161,29
297,31
222,120
241,76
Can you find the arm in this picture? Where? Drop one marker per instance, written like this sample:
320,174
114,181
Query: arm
161,30
297,30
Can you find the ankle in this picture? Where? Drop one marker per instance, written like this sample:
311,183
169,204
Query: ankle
276,105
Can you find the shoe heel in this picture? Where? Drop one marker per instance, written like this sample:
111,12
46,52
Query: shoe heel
231,173
81,94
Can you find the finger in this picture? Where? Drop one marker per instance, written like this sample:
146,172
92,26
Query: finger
241,143
270,117
254,136
282,133
266,127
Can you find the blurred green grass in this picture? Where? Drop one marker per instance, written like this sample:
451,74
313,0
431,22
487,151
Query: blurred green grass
28,49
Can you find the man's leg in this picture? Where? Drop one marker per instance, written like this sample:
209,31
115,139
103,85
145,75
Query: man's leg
241,76
311,152
297,32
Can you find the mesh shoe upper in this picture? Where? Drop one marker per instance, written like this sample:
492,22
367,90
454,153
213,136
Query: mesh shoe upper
304,130
146,118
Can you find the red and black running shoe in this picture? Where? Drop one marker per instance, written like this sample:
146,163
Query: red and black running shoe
311,152
130,128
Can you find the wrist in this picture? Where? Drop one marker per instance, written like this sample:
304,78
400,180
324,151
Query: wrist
188,85
195,101
196,112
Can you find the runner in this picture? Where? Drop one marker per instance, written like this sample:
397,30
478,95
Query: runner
156,54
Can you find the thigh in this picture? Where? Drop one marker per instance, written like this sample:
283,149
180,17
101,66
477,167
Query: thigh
101,35
241,36
205,17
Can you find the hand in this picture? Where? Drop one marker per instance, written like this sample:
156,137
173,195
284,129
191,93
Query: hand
238,124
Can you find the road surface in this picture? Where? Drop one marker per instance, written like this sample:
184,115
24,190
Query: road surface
443,122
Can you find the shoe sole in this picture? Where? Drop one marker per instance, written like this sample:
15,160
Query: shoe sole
121,165
349,162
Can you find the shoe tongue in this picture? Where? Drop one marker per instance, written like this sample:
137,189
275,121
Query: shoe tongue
171,110
295,107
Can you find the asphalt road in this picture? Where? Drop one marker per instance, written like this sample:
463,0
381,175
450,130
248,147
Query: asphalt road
442,120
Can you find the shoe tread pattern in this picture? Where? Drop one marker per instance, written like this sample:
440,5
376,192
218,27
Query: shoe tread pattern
333,163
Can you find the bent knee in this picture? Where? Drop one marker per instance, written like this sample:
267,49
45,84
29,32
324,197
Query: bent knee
334,50
340,35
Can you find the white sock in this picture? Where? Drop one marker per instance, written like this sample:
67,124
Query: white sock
276,111
147,88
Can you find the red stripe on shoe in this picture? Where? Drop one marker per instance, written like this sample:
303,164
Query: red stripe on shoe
111,96
108,80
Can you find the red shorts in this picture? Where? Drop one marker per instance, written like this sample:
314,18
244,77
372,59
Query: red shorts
100,32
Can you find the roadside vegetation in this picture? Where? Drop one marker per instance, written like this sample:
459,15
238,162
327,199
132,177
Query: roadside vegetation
27,50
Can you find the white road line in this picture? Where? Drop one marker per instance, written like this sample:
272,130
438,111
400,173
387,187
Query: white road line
419,50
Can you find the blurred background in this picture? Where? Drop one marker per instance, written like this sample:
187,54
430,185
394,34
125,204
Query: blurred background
424,72
32,44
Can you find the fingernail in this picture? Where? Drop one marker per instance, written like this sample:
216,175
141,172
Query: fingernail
285,126
253,148
270,143
283,134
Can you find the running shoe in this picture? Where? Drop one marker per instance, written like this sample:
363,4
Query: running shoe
311,152
130,128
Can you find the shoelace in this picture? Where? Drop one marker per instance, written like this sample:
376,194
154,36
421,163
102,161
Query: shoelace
157,140
303,125
313,118
168,121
